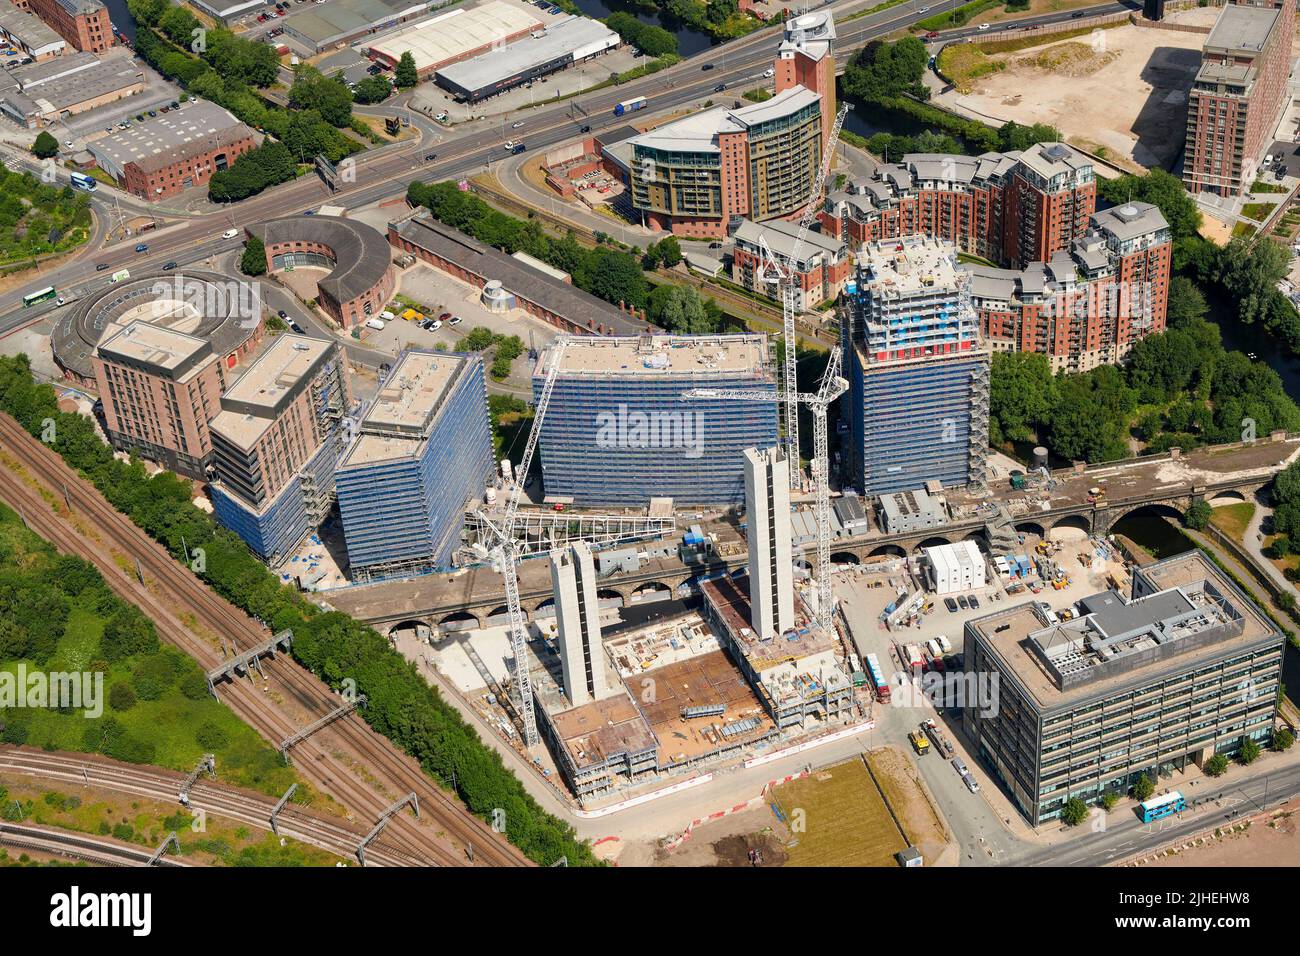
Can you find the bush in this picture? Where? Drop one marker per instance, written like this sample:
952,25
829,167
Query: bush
1074,812
1248,752
211,737
45,146
1143,789
1216,766
121,697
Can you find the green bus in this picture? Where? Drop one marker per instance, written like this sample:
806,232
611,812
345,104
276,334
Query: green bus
40,295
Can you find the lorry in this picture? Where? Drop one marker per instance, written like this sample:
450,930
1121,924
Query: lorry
878,678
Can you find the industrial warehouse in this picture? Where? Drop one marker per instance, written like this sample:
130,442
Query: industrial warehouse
457,35
545,51
343,21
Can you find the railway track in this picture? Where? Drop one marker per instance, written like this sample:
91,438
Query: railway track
213,799
328,758
78,846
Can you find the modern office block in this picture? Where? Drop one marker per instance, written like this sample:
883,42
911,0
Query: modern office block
582,655
917,405
423,450
767,529
276,443
618,431
1184,667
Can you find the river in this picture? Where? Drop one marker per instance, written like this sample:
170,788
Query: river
689,41
121,17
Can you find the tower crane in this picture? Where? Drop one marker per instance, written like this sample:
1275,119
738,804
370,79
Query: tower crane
832,387
505,551
785,275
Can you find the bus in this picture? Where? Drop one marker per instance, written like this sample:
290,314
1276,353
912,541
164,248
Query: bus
40,295
1162,806
82,181
630,106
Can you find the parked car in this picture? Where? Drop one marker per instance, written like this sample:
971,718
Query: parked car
435,325
950,604
283,314
296,327
974,602
962,602
971,784
769,73
454,320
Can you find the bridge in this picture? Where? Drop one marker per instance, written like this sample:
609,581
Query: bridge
1166,484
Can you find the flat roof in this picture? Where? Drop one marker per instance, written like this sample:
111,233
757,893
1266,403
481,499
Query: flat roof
250,404
641,356
452,35
156,346
341,18
561,38
161,140
1010,633
404,409
919,264
28,28
699,132
1241,29
1131,220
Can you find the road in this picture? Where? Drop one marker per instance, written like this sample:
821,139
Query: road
385,173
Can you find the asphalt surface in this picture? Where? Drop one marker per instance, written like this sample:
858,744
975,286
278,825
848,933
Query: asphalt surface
384,174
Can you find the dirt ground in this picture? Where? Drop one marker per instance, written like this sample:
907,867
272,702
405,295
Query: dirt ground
911,804
1271,842
1120,92
726,842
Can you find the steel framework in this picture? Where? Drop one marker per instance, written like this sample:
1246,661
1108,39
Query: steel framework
786,275
832,387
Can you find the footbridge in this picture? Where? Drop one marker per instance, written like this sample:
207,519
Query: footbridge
1165,484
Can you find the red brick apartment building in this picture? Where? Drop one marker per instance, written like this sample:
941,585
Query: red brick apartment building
1238,95
83,23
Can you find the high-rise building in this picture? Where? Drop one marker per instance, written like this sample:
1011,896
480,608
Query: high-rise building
1238,95
618,431
160,388
1184,667
767,531
422,451
276,443
918,373
696,175
577,611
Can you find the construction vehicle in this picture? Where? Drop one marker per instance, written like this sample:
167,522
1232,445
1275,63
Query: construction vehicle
919,743
411,315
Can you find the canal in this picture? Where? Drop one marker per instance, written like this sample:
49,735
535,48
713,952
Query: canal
689,40
121,17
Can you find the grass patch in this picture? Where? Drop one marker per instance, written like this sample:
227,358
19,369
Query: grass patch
1259,186
1259,211
845,820
1243,230
61,617
758,94
958,17
963,63
1232,520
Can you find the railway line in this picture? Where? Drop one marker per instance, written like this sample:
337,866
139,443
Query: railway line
214,799
78,846
327,759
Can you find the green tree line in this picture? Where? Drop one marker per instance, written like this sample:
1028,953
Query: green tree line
402,705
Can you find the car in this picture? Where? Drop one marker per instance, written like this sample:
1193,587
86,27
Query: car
309,212
142,247
101,266
950,604
387,316
165,109
454,320
230,234
261,18
923,10
960,766
706,67
519,125
585,129
720,87
169,265
1075,16
67,143
444,317
510,144
425,323
283,314
769,73
983,26
430,157
974,602
175,105
153,112
59,301
296,327
971,784
963,603
441,117
932,35
435,325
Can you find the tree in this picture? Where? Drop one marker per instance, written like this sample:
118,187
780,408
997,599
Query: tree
121,697
670,251
1216,766
1248,752
126,633
1109,799
1198,515
328,96
1186,303
45,145
253,261
1074,812
373,89
1021,395
1143,788
406,75
885,71
1282,739
1161,189
679,309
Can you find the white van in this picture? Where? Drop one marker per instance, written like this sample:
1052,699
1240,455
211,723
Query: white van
387,316
230,234
375,323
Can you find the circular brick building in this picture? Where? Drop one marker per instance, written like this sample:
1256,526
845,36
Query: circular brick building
361,277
